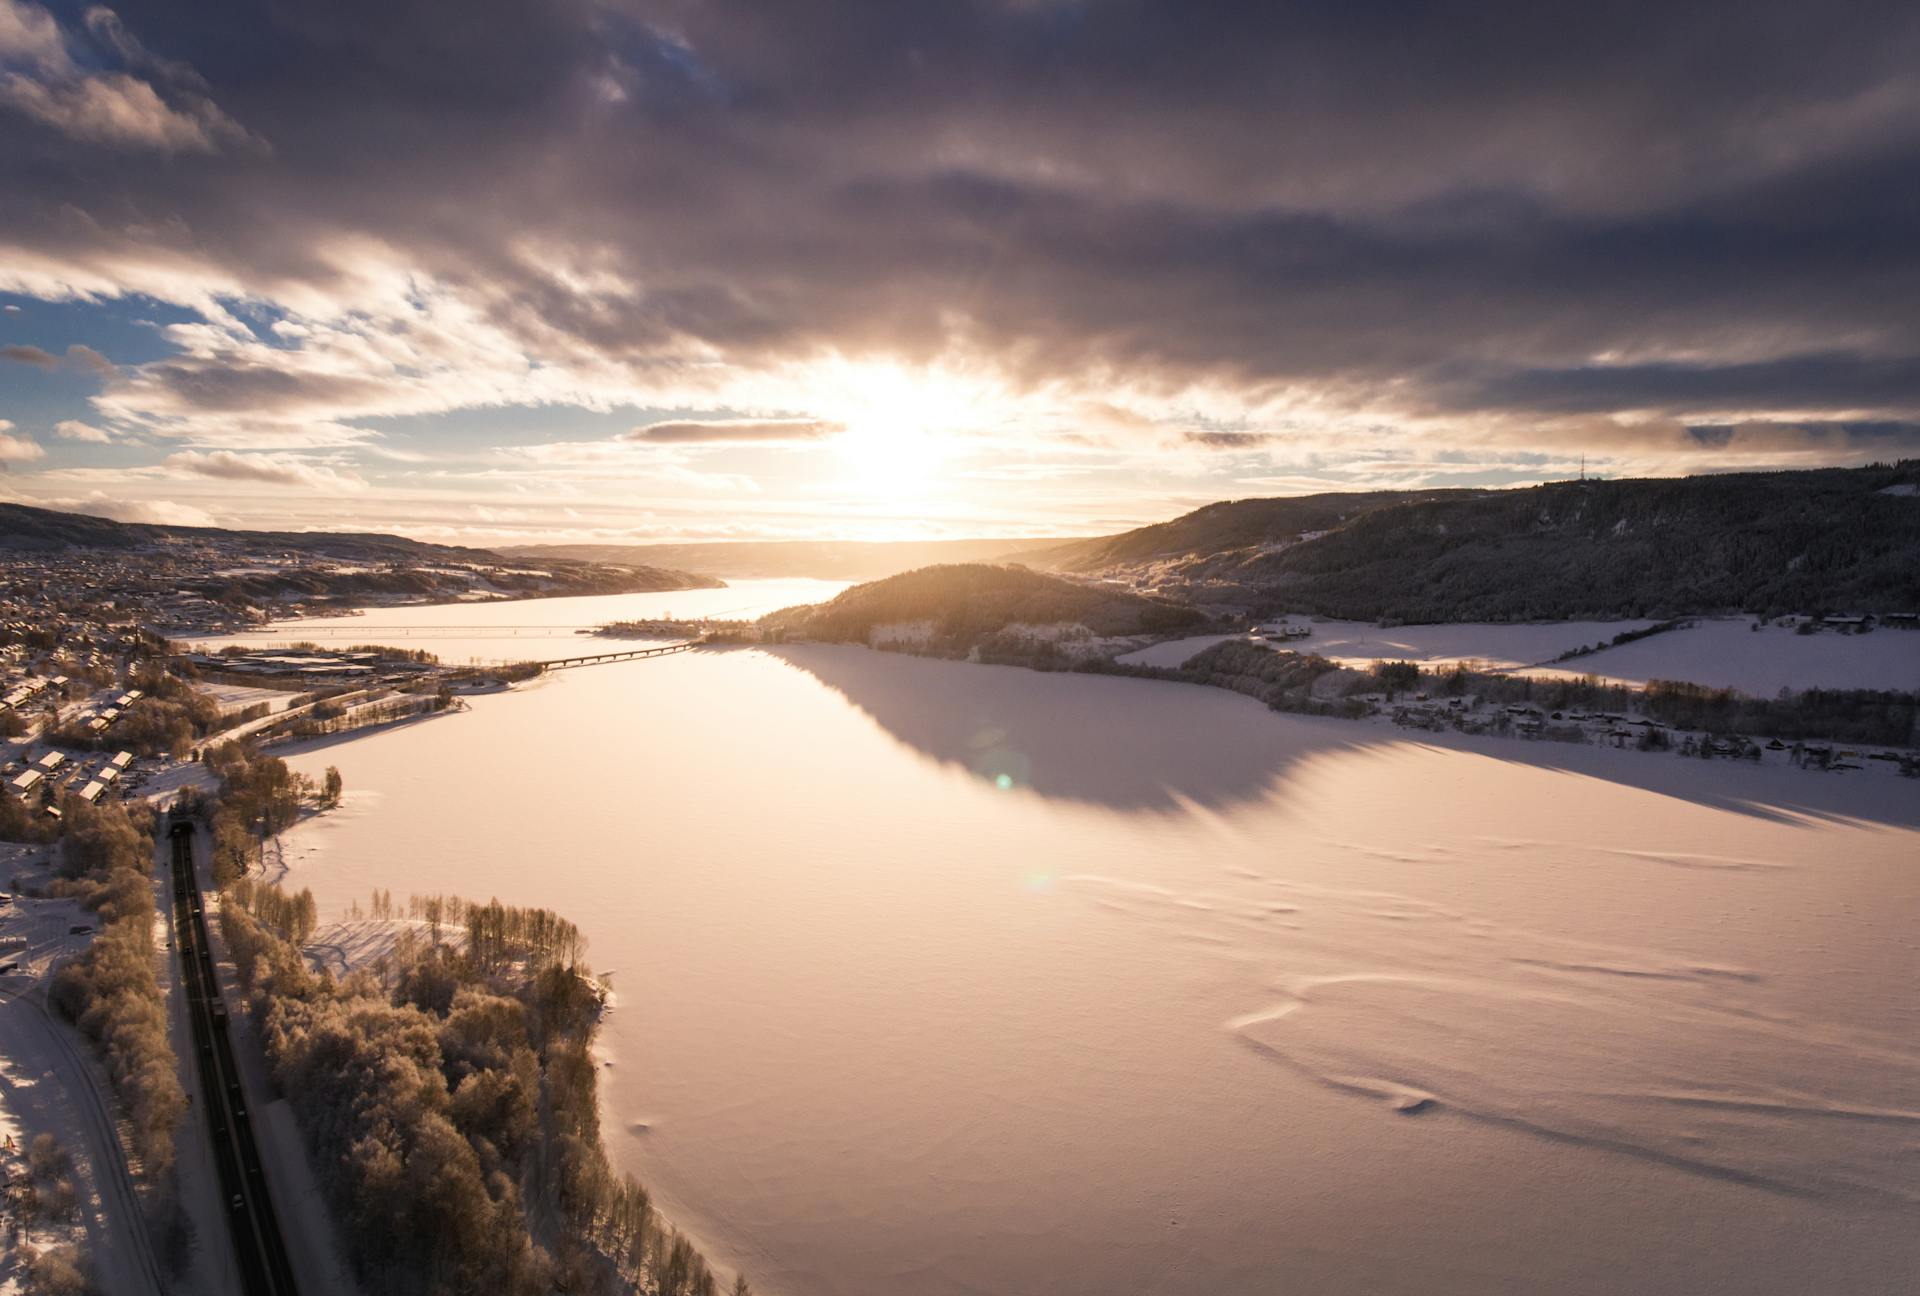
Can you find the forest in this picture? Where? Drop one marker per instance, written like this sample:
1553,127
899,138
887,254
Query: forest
1767,543
448,1095
964,603
112,993
259,798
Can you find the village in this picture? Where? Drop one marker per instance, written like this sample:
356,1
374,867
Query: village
105,711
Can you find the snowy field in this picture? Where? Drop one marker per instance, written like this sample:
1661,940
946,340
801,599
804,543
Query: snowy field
238,697
1501,647
1723,653
1731,654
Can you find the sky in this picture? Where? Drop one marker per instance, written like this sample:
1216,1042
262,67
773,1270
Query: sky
691,270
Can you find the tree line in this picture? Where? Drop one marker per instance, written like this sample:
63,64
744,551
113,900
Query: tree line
449,1098
1290,681
111,991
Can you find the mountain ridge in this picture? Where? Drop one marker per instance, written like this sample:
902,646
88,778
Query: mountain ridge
1773,542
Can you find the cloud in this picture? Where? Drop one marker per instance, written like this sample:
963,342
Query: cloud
1598,226
225,465
75,430
41,78
1826,380
687,431
163,512
1888,437
87,358
77,357
15,449
1227,440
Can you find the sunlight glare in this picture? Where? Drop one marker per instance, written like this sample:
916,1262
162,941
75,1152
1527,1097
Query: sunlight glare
901,425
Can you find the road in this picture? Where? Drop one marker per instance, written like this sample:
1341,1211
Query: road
258,1246
34,1042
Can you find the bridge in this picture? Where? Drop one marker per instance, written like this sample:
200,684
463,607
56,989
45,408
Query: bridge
630,654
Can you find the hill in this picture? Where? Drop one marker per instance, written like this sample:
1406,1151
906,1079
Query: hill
25,527
1229,527
954,608
1827,539
851,560
304,567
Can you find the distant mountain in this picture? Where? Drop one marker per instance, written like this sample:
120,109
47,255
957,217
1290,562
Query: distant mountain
1827,539
24,527
964,603
242,566
850,560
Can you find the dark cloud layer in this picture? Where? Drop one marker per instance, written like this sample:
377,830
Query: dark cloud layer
1502,209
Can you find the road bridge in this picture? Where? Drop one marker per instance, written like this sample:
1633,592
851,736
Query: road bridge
629,654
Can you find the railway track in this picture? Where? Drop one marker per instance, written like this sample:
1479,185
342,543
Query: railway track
257,1243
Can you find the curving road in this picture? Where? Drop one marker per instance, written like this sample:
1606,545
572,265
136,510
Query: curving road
112,1177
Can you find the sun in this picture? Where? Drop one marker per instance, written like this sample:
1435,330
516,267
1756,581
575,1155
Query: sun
892,453
900,426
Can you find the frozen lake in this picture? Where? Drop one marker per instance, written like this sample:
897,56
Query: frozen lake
528,629
951,979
